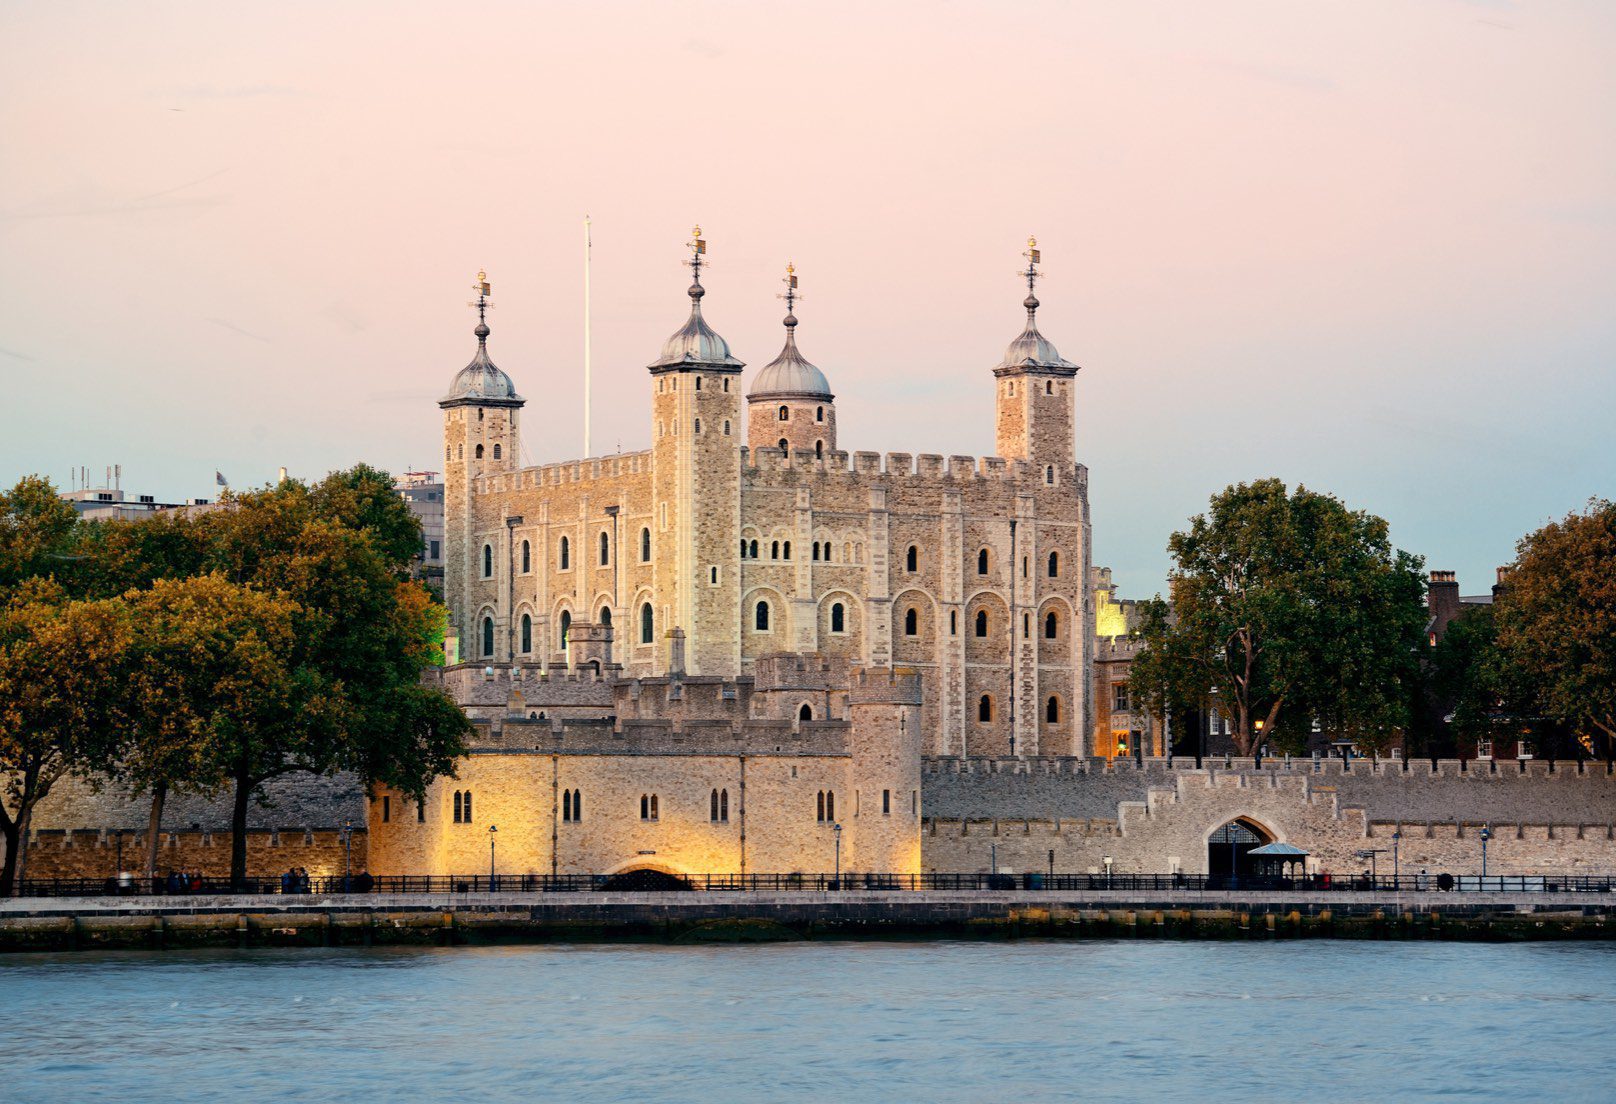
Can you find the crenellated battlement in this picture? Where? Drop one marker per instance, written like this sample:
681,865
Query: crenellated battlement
642,736
866,467
597,468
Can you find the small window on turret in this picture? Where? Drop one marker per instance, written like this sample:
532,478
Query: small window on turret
1049,475
479,453
785,413
819,450
726,384
819,413
496,452
698,425
726,425
698,383
1010,389
1049,387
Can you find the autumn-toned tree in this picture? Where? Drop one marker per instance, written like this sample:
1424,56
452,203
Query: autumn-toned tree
59,661
1285,608
1557,621
36,532
209,666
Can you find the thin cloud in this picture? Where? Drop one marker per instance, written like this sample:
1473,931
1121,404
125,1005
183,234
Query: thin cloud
237,329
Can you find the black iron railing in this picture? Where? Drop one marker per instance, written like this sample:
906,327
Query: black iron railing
820,883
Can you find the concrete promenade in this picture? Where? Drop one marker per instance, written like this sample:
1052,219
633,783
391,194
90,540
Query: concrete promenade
61,923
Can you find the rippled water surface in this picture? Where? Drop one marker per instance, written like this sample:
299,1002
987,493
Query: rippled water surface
822,1022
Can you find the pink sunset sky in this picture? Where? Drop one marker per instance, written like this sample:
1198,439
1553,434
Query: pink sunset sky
1366,246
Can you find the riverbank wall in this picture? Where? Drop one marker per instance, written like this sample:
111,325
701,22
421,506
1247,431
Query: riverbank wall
345,920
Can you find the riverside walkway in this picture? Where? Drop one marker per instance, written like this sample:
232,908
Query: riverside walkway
337,919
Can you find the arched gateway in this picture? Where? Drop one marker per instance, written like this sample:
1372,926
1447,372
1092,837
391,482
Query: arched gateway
1228,849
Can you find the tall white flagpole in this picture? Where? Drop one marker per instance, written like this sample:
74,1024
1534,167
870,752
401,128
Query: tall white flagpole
587,250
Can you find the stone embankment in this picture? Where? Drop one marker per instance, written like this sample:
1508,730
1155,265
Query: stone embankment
57,924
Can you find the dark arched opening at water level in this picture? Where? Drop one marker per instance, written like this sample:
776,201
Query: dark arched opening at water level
1228,850
645,880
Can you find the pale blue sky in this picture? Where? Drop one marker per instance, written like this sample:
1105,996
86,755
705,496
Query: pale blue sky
1367,246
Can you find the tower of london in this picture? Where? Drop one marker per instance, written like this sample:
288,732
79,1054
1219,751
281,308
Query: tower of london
750,528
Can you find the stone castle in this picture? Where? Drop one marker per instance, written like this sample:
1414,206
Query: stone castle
747,650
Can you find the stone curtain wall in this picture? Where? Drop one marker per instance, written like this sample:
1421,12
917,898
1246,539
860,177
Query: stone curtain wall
1560,823
94,854
297,800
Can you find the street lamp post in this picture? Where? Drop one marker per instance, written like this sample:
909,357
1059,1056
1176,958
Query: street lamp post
1397,839
1108,860
347,855
119,882
837,884
1486,834
492,831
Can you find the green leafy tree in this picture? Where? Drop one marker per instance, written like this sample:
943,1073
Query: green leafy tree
362,631
1285,608
1557,621
59,661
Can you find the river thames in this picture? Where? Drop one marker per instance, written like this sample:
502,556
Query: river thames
821,1022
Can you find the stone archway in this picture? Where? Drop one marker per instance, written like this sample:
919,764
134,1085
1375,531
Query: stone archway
646,879
1229,847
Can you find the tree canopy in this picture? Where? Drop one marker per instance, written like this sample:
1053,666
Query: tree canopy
279,632
1556,619
1284,609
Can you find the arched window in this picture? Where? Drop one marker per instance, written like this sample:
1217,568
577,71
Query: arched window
953,622
488,561
488,638
577,804
468,807
785,413
1049,474
566,805
605,549
816,550
605,615
496,452
761,618
984,708
1054,565
785,551
911,559
566,554
726,420
712,813
752,550
723,806
1051,626
785,445
645,623
806,713
819,450
982,562
479,453
698,420
911,622
1052,710
1049,387
774,551
819,413
645,545
457,807
819,806
527,557
838,618
830,805
566,628
527,633
1026,625
981,622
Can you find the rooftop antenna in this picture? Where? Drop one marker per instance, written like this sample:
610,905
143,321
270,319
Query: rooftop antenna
587,252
